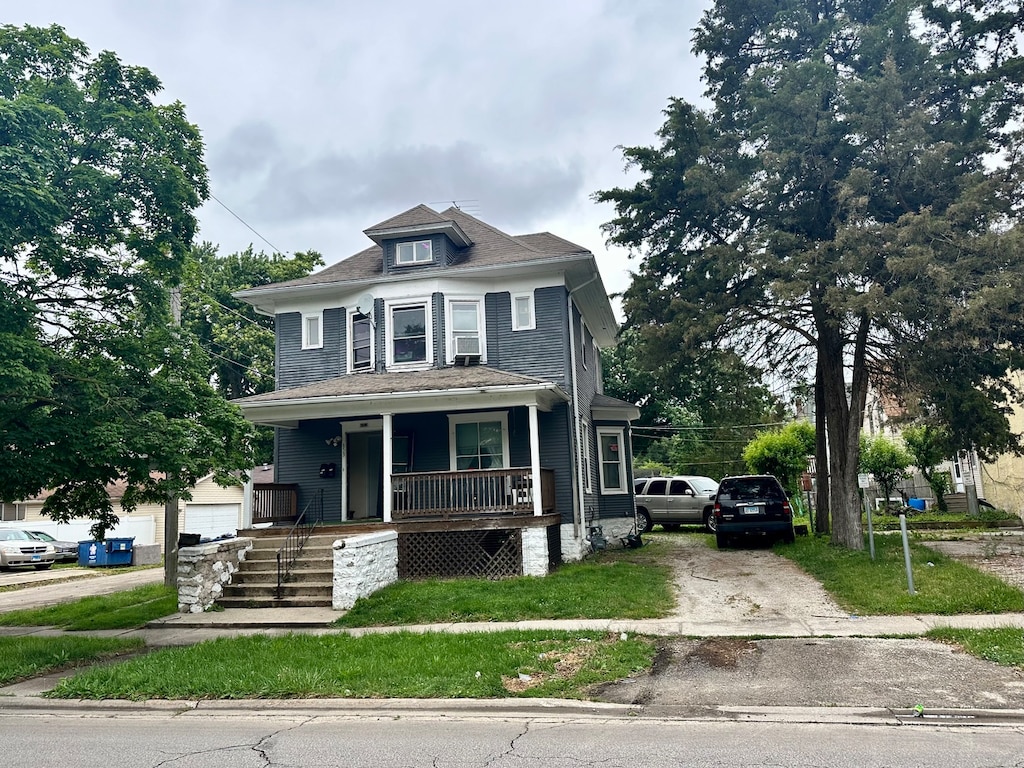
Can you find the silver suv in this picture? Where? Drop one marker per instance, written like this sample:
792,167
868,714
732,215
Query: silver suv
672,501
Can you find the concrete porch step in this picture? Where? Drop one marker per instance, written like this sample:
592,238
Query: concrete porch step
292,601
303,575
270,590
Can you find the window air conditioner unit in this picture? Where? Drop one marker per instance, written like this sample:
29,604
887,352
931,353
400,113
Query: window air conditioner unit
467,349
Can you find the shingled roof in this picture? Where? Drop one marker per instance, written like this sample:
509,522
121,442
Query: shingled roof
490,246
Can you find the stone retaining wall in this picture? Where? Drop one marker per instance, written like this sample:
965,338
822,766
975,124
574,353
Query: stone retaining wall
363,564
205,569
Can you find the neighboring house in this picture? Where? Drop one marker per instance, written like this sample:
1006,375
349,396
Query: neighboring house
1004,475
446,383
212,511
882,416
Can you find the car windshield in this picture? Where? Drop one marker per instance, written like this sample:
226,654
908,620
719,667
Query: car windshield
753,488
14,535
41,535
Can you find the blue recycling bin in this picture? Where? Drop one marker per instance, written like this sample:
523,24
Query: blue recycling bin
105,553
916,503
119,551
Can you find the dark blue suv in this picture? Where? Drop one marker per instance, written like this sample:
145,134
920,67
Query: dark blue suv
752,505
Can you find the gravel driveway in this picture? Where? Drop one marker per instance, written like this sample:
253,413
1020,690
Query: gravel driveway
751,586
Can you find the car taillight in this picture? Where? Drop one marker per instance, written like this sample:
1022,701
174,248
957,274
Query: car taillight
718,509
786,508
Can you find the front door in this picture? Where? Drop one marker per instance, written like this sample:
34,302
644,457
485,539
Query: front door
365,475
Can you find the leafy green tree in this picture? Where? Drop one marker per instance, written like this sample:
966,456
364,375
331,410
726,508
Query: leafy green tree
929,446
848,205
98,188
782,452
239,341
695,415
886,460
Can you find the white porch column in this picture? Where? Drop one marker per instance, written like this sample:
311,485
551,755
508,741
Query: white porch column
538,505
388,461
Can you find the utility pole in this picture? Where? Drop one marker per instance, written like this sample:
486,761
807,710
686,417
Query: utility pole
171,504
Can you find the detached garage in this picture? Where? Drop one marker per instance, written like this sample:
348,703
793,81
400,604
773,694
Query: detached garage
211,520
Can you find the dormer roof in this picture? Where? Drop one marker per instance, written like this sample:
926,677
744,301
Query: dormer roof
420,221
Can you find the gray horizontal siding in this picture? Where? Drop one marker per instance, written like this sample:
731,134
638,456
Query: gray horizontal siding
297,366
541,352
298,456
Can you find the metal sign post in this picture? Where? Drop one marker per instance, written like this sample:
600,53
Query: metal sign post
906,552
863,481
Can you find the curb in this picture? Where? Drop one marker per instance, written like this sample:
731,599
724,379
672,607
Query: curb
541,709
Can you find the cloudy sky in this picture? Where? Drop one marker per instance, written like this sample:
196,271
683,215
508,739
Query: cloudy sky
322,118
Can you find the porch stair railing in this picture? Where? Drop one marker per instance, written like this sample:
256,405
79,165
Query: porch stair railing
310,517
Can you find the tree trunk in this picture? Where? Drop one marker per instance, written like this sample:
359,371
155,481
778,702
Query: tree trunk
821,503
843,417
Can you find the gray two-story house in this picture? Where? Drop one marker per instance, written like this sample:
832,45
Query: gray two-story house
446,383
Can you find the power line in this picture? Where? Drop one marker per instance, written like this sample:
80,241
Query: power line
261,237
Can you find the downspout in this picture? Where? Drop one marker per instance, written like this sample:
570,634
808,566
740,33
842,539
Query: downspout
577,513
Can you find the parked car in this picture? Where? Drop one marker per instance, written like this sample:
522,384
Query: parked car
752,505
672,501
17,548
65,550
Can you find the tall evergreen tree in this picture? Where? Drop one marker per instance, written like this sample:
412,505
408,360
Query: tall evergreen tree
848,204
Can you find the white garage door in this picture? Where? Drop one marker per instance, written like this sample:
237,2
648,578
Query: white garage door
211,520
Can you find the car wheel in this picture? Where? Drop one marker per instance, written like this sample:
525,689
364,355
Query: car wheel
789,536
42,566
721,540
710,522
670,526
643,521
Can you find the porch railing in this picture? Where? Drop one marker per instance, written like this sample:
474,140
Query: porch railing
311,516
466,493
274,502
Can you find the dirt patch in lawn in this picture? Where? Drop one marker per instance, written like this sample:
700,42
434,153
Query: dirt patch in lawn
1001,554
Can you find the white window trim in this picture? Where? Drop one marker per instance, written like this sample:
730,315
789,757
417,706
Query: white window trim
389,332
588,472
449,331
472,418
306,317
414,260
621,434
373,342
515,315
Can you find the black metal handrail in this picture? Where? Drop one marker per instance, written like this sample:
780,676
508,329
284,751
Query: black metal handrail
310,517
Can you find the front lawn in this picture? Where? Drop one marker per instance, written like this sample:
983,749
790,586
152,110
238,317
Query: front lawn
615,584
1003,646
860,585
24,657
121,610
478,665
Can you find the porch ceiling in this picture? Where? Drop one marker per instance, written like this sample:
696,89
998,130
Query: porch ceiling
438,389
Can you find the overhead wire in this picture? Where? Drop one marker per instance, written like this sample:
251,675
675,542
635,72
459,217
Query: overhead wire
244,222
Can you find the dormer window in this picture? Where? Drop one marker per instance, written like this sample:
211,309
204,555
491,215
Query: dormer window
418,252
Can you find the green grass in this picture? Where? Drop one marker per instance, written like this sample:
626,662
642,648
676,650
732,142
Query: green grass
1003,645
121,610
24,657
863,586
617,583
478,665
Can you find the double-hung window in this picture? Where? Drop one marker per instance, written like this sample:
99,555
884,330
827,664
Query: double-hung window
523,318
465,324
418,252
612,448
409,335
311,335
478,440
11,512
360,348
